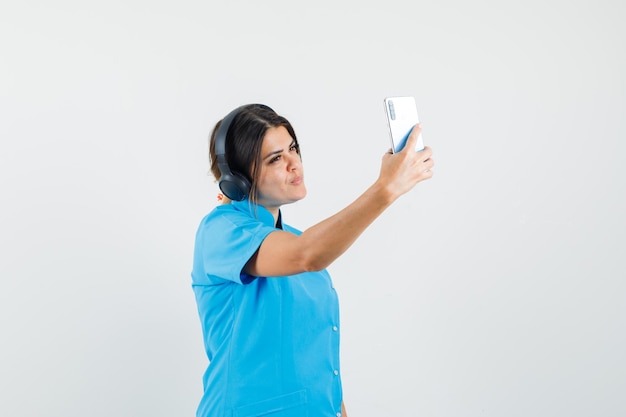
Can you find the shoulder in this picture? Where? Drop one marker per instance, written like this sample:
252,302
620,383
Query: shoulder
227,216
226,239
231,224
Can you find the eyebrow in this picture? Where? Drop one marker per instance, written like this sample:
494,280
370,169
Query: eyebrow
293,141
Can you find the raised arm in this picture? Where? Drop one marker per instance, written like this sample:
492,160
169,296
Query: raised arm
283,253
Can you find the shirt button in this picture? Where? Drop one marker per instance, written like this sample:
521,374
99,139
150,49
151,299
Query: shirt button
338,414
335,328
336,372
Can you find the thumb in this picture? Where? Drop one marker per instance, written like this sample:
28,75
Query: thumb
412,140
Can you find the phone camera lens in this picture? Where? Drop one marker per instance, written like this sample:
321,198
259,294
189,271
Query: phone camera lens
392,111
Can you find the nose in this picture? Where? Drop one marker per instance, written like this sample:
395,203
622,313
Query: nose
293,162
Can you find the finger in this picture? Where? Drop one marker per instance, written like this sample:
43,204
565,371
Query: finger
425,153
412,140
427,164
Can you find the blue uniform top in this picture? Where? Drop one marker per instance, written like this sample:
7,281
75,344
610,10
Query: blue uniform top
272,343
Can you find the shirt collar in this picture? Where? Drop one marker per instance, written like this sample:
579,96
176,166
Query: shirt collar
258,212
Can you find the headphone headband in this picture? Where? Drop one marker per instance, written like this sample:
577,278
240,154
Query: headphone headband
220,136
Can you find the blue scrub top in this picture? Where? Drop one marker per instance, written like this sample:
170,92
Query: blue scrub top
272,342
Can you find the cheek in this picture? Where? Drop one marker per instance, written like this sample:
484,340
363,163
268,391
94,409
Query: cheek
266,180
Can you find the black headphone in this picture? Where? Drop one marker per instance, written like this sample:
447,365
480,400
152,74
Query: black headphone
234,185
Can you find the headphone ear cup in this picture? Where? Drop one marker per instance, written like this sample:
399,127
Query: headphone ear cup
234,186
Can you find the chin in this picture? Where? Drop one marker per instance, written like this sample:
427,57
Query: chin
296,199
301,195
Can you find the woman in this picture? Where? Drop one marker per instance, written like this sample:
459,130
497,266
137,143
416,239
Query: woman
268,309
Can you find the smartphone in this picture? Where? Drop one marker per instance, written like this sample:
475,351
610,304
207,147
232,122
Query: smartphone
401,117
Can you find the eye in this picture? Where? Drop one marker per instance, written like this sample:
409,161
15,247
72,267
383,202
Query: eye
275,159
294,147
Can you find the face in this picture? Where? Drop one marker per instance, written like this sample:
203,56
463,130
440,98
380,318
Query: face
281,178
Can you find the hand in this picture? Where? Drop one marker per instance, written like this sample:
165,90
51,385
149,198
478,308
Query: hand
400,172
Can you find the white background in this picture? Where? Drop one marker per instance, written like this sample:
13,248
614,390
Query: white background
495,289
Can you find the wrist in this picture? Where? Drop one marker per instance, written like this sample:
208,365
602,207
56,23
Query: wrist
383,193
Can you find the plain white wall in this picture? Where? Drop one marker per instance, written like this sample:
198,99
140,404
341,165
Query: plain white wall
495,289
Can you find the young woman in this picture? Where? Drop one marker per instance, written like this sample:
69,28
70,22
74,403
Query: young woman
268,308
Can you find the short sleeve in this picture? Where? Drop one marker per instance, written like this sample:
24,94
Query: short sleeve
225,242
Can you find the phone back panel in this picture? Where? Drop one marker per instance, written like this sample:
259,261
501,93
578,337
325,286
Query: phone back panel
401,117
